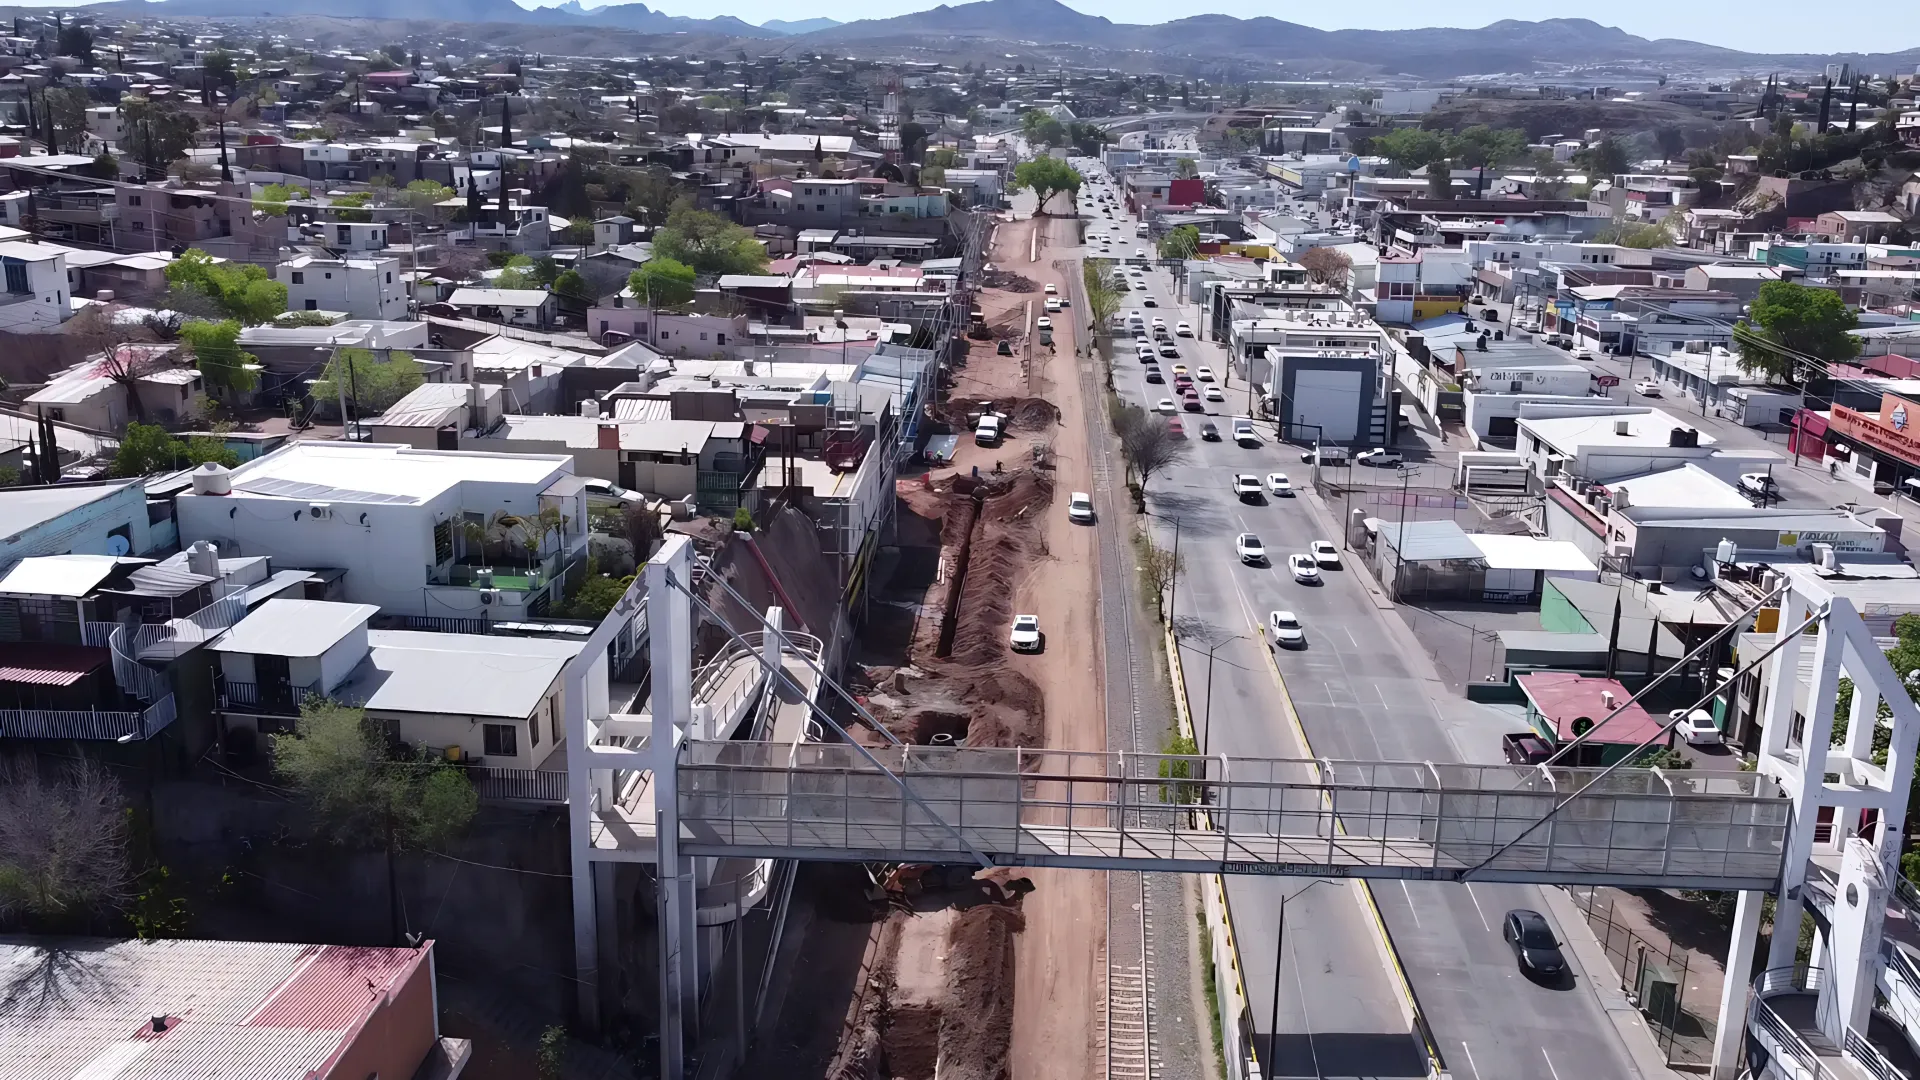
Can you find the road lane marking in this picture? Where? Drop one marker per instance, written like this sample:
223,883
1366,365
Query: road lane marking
1477,907
1475,1069
1306,1020
1411,906
1550,1068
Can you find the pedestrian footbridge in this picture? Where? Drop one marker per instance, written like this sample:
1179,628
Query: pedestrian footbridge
1318,818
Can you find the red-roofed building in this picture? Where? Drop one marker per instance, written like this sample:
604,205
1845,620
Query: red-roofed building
153,1010
1562,706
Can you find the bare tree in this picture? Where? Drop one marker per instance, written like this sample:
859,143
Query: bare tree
1149,446
1159,567
63,841
1325,266
643,531
112,343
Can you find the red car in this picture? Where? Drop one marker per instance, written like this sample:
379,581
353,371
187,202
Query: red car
1175,427
1192,403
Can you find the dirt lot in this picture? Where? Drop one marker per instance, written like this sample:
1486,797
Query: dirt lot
1009,986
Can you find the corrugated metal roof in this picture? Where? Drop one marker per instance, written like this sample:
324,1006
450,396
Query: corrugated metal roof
42,664
1426,541
286,627
62,575
241,1009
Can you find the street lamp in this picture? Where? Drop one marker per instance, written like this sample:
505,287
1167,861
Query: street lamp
1279,955
1206,715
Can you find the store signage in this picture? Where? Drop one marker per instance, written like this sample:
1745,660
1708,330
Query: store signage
1869,429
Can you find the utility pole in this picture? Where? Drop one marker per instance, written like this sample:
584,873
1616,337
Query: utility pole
1173,590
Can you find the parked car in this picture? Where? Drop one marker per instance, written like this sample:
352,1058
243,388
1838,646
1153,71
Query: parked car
1759,485
1697,727
1248,547
1183,329
1043,323
1532,942
1247,486
1080,508
1381,457
606,492
1051,289
1524,748
1647,388
1304,571
1278,486
1325,554
1329,455
1025,635
1581,352
1285,629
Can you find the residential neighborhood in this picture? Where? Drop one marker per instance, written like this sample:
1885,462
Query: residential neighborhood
596,543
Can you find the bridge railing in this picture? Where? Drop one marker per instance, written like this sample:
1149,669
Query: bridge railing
1420,819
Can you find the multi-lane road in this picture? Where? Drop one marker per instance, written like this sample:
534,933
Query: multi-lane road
1361,688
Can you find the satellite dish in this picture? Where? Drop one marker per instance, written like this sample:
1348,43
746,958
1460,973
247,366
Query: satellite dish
117,546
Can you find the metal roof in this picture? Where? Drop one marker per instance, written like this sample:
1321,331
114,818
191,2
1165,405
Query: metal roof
286,627
63,575
457,674
41,663
1426,541
234,1008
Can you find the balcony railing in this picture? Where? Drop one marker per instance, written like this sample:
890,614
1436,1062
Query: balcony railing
245,697
519,785
88,724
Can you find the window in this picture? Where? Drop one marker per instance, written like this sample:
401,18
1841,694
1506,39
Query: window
133,200
57,415
16,275
389,277
329,275
533,731
299,278
502,740
822,208
313,305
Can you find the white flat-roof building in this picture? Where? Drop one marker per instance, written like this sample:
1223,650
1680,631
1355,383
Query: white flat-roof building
86,519
442,534
363,288
1606,443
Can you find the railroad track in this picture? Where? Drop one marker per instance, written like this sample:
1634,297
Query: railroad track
1128,1016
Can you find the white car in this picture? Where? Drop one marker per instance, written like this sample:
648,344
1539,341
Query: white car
1183,329
1304,571
1285,629
1052,290
1139,253
1697,727
1380,457
1159,323
1080,508
1277,485
1325,554
1249,548
1148,300
1043,323
1212,393
1144,352
1243,431
1166,406
1581,352
1025,636
1647,388
1247,486
607,492
1203,373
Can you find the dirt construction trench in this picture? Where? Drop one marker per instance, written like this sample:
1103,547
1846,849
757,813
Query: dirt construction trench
973,979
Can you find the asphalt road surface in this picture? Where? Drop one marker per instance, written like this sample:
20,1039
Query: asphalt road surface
1362,690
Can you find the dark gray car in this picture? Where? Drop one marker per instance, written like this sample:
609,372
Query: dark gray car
1532,941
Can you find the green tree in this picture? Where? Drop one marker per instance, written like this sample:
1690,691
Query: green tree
708,242
1045,176
241,290
573,284
1410,148
1439,180
1482,147
1602,160
663,283
69,107
274,198
106,166
594,598
373,383
77,40
348,207
1790,320
361,786
913,137
148,448
1180,243
424,195
1185,168
216,351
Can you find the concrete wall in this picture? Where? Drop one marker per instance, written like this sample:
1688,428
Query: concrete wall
85,531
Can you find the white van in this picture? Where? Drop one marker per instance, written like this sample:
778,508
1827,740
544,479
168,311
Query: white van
987,432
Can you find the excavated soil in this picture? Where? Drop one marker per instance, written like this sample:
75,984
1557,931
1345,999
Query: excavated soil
974,1041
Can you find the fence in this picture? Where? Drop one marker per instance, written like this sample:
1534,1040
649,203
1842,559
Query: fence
1654,976
519,785
88,724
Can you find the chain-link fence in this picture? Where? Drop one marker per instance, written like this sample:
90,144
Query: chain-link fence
1654,976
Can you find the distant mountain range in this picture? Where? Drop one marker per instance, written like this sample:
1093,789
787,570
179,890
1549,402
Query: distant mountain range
799,26
1507,46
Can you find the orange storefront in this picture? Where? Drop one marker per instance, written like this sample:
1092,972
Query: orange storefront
1885,443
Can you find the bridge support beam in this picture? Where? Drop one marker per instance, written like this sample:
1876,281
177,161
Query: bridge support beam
670,646
1734,989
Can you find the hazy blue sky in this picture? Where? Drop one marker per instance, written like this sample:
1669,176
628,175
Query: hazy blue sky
1755,25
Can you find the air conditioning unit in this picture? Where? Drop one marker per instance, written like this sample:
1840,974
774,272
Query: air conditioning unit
489,596
319,511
